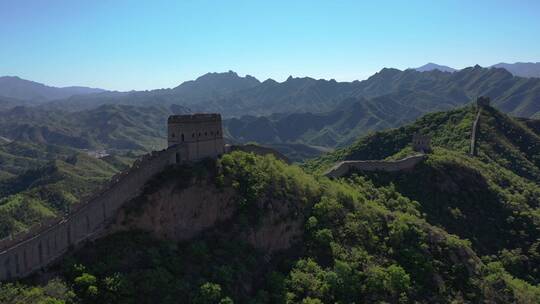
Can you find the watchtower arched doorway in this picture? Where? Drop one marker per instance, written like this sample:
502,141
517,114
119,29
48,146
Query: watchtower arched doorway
177,157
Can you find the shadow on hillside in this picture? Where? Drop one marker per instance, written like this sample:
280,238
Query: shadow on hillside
459,199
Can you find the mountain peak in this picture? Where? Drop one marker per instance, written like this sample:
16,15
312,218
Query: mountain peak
216,83
430,66
220,76
9,77
384,73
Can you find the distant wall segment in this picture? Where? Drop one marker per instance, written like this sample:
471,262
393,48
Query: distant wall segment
480,103
344,167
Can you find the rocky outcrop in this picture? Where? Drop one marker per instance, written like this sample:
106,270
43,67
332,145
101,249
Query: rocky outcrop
178,214
182,212
280,227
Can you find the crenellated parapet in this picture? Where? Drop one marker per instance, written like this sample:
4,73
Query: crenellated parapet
26,252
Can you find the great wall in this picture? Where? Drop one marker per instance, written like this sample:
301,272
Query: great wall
480,103
344,167
420,144
30,251
33,250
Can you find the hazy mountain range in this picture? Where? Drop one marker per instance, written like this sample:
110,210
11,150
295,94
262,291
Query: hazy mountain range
390,99
299,116
521,69
30,91
235,96
211,86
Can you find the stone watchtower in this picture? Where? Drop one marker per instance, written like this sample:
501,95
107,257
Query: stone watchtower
195,136
421,143
483,101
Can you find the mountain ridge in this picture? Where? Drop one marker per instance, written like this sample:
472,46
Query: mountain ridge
522,69
31,91
235,96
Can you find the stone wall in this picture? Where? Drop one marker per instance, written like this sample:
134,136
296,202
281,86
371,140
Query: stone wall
43,244
343,168
474,131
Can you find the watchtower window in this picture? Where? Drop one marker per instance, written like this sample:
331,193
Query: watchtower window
205,133
177,158
182,137
199,134
193,135
172,135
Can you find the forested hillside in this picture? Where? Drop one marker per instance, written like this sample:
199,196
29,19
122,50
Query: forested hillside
115,128
490,199
358,243
456,228
50,189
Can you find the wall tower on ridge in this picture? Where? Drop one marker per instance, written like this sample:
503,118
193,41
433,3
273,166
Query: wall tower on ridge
483,101
421,143
195,136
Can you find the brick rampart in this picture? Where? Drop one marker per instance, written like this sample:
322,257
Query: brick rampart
33,250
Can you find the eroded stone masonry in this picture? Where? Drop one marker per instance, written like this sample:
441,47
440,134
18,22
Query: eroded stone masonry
190,137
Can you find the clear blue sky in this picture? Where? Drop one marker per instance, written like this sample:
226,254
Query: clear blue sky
127,45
